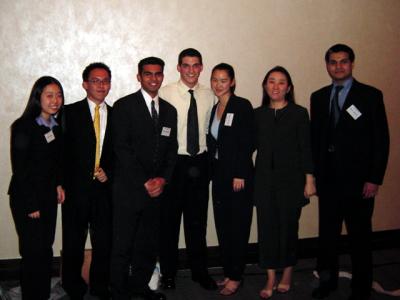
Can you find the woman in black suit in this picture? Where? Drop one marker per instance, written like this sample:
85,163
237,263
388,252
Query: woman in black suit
230,147
283,176
35,187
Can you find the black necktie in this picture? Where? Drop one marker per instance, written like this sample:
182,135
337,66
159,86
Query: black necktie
334,117
192,138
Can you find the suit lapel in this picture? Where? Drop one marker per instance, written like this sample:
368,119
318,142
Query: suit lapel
349,101
223,117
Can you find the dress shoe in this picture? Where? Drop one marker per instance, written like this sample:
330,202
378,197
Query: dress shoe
359,296
206,282
323,291
167,283
151,295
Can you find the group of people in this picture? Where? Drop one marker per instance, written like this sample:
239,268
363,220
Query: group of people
127,174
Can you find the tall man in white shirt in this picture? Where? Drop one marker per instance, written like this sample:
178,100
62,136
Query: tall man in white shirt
88,165
187,192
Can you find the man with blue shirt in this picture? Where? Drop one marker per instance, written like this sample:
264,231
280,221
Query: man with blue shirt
350,143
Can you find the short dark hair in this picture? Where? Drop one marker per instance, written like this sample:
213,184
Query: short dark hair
92,66
189,52
150,61
229,70
33,107
289,96
340,48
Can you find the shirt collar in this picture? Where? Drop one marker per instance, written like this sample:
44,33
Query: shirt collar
148,98
183,88
346,84
93,104
42,122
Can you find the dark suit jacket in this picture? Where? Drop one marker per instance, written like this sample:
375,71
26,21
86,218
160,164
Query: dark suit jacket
283,153
134,146
80,149
235,143
36,166
362,145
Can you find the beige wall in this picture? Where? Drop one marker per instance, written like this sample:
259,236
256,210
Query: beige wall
60,38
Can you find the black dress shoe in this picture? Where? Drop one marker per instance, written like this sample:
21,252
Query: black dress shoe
359,296
206,282
151,295
167,283
323,291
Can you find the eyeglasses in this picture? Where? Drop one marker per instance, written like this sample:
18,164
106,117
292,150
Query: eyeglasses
99,82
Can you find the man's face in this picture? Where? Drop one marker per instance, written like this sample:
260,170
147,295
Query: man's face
98,85
151,79
339,66
190,70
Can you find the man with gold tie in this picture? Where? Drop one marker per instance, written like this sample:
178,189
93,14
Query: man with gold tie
88,166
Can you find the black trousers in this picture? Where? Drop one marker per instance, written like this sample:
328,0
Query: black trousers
356,212
187,194
135,246
232,212
36,237
81,215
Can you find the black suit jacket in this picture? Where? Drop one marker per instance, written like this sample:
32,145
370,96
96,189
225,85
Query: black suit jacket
134,140
36,166
235,143
361,145
80,149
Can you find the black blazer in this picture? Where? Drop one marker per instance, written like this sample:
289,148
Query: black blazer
362,145
283,153
80,148
36,165
134,146
235,143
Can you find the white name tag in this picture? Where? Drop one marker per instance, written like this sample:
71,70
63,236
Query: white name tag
166,131
354,112
229,119
50,136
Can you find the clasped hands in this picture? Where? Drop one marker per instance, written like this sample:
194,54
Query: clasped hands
155,186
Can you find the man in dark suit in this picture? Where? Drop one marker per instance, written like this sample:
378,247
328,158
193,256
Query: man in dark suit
88,165
350,143
145,145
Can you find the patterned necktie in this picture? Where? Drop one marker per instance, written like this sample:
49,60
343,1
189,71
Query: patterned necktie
335,108
334,118
96,124
154,114
192,138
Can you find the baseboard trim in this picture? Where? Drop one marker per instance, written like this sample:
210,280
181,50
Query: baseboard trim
307,248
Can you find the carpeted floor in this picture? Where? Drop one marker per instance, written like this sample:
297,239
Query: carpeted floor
386,273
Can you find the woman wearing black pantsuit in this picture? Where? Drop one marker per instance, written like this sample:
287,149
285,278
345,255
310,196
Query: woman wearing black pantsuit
35,188
230,146
283,177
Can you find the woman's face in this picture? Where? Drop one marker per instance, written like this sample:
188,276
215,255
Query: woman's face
277,86
221,83
50,100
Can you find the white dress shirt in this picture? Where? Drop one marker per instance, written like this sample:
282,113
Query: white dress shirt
177,94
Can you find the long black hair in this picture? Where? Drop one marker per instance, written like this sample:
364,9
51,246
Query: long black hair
289,96
229,70
33,107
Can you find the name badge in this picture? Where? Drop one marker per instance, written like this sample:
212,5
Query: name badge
166,131
49,136
354,112
229,119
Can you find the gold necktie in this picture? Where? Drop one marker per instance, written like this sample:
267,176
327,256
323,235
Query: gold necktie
96,124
